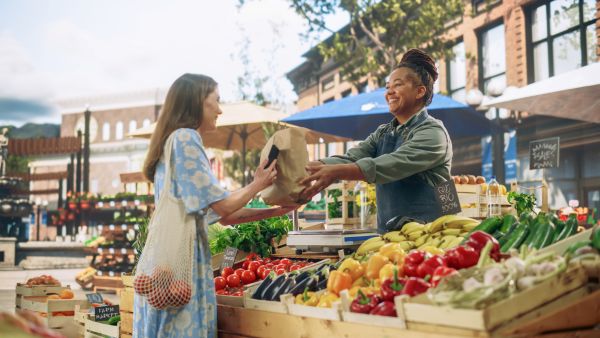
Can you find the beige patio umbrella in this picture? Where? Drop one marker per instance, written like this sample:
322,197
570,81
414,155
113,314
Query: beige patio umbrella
240,128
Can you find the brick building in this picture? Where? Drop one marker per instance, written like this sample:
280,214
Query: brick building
508,43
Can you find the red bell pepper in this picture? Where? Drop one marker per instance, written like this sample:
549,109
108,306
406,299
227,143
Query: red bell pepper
385,308
462,257
478,239
441,272
363,303
412,262
391,288
429,265
415,286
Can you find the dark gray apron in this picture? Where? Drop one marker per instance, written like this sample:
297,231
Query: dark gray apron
412,196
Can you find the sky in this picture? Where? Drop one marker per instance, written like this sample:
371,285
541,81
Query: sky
65,49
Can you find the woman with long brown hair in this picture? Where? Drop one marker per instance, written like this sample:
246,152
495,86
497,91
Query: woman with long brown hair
190,113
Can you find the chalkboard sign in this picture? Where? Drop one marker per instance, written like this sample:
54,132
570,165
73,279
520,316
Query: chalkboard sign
102,313
229,257
447,198
94,298
544,153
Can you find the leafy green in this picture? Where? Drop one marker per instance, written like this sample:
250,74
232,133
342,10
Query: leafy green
521,202
259,236
140,240
334,209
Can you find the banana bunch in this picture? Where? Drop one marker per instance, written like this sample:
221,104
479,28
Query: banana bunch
444,233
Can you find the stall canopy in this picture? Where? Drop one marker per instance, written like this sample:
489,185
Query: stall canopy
358,116
571,95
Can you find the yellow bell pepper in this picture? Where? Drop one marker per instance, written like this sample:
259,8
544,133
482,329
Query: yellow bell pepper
327,299
362,281
432,250
307,298
393,251
353,267
387,271
367,290
338,281
376,262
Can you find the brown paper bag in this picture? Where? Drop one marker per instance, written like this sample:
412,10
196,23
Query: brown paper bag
291,164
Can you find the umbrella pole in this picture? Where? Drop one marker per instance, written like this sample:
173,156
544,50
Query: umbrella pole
244,136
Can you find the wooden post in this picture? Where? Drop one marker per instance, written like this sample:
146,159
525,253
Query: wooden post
545,206
86,151
78,166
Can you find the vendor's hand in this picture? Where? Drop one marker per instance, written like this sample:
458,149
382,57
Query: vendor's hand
323,175
265,177
280,211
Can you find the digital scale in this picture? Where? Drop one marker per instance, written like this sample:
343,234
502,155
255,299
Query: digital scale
323,240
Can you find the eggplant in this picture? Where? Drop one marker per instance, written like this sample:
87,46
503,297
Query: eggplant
283,289
261,288
312,284
273,287
301,285
322,284
302,276
324,274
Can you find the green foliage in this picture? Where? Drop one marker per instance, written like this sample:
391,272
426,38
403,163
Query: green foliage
320,205
521,202
258,236
379,32
17,164
334,209
257,203
140,240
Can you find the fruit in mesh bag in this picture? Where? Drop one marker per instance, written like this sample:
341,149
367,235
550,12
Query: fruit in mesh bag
162,276
158,298
180,292
142,284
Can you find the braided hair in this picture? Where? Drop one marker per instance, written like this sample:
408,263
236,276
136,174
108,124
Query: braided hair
424,67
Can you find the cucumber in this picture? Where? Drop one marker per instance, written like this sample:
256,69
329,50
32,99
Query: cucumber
526,217
498,234
569,229
488,225
531,233
508,235
541,233
516,238
114,320
549,236
507,222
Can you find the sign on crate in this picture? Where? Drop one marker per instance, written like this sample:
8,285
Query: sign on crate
94,298
544,153
102,313
229,257
447,197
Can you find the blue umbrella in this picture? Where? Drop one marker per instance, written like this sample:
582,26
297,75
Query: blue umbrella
358,116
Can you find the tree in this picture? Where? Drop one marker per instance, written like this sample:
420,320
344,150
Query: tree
379,32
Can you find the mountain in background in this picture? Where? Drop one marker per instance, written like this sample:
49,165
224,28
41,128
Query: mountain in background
33,130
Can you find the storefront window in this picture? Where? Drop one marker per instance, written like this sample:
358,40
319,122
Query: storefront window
591,162
492,58
119,130
457,73
106,131
562,37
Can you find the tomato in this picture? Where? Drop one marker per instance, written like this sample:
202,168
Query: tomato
253,266
260,261
281,266
269,265
267,260
294,267
223,292
239,272
233,281
275,261
251,256
280,271
265,273
286,261
260,270
248,277
220,283
245,265
226,271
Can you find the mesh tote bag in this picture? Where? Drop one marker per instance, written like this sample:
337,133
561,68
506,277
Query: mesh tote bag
164,271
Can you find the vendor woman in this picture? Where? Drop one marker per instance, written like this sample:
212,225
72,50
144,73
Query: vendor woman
406,157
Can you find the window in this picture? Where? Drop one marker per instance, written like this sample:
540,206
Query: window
332,149
119,131
106,131
492,58
457,73
346,93
363,87
132,126
561,37
146,123
328,83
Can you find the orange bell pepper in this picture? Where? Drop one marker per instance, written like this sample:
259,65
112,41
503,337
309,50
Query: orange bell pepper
376,262
353,267
338,281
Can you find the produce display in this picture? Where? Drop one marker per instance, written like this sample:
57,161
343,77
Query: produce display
478,180
443,233
232,281
25,324
43,280
585,250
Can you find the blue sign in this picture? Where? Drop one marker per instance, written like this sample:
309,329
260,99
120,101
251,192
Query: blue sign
487,166
510,156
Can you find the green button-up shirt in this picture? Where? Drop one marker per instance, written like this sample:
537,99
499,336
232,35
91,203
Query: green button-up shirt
426,150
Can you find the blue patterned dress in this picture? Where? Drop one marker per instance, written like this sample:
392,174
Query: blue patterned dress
193,182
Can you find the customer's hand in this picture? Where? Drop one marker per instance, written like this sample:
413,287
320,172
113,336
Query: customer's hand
280,211
265,177
323,175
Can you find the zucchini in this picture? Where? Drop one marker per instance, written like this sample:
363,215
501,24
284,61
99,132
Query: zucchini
569,229
488,225
507,222
508,235
596,238
526,217
498,234
114,320
516,238
541,233
531,233
549,236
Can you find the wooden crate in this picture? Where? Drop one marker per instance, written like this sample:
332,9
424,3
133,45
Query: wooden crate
347,189
36,290
263,305
420,309
474,202
560,246
107,283
81,315
360,318
100,330
332,313
47,307
126,322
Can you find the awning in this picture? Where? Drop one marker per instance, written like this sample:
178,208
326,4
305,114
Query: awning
358,116
571,95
